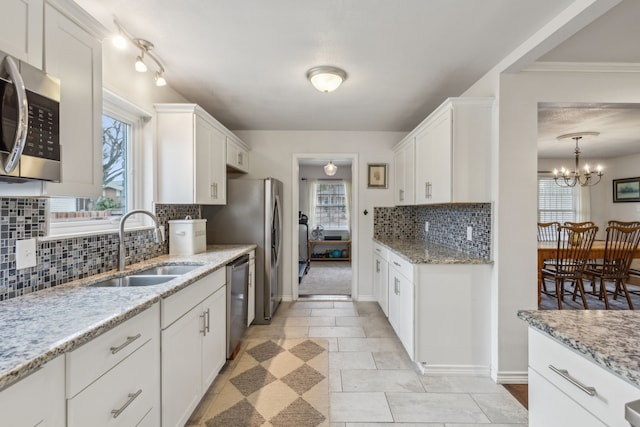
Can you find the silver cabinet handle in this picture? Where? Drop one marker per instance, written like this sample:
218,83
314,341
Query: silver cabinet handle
208,318
430,191
203,331
129,340
401,195
396,287
591,391
214,190
132,396
377,266
23,116
426,190
240,159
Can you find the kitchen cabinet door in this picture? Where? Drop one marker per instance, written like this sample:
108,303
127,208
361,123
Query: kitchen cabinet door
181,368
401,308
404,173
37,400
237,155
21,24
75,57
191,156
381,282
214,340
433,158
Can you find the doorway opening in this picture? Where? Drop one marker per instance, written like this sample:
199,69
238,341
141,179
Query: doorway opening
326,235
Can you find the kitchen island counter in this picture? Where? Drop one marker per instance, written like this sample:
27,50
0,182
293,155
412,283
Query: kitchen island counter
37,327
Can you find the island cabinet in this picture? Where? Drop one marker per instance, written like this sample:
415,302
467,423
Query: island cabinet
568,389
237,155
450,155
193,345
37,400
21,30
191,156
381,277
113,379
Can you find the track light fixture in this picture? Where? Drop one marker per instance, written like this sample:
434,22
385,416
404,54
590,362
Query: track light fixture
145,46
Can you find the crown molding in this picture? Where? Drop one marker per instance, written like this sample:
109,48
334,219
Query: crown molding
584,67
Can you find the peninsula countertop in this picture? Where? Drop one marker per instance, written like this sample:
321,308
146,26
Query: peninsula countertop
418,252
607,337
37,327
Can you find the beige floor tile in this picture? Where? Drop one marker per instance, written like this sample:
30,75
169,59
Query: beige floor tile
363,407
335,380
314,304
374,380
345,304
375,330
351,360
310,321
501,408
435,408
403,425
336,331
461,384
335,312
275,331
392,360
369,344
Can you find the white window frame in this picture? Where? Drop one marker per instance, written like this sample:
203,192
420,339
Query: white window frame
123,110
346,205
574,201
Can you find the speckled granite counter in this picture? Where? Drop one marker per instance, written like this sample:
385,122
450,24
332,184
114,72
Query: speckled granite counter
609,338
429,253
35,328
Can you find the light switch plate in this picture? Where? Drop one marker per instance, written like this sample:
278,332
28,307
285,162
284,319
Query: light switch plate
25,253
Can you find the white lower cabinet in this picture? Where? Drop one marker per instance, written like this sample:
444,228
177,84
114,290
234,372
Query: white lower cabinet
193,345
113,380
556,399
381,277
37,400
401,301
251,292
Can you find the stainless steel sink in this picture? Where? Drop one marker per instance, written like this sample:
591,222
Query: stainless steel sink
134,281
164,270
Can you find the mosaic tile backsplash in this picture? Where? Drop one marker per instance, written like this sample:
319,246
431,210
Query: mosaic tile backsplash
64,260
447,225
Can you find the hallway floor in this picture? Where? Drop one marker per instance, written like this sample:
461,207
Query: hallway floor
372,381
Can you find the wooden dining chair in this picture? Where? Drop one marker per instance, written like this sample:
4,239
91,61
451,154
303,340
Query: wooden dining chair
548,231
573,246
620,246
624,223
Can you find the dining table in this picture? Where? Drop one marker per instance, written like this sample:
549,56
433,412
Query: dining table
547,250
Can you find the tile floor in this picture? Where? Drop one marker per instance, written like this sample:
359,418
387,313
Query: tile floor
372,381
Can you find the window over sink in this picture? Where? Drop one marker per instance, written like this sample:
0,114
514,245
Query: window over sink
121,131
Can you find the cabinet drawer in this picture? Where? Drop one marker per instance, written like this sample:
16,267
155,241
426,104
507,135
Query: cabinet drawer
180,303
611,391
89,362
131,388
381,251
403,266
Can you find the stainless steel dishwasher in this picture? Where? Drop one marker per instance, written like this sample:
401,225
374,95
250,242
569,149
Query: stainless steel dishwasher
237,286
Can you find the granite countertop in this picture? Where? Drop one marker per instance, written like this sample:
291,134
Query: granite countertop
37,327
608,337
418,252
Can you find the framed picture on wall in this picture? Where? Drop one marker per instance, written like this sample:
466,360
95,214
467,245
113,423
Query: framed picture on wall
626,190
377,175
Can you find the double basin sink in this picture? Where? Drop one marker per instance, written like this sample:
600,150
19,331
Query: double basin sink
148,277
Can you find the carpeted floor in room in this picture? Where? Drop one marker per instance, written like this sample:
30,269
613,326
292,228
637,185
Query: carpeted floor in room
327,278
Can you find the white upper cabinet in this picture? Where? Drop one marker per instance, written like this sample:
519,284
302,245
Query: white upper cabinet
452,150
237,155
191,156
74,55
21,30
404,175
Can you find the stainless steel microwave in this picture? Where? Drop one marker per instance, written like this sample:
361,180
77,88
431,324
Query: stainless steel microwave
29,123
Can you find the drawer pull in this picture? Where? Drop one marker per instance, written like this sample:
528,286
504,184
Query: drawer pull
396,264
129,340
591,391
132,396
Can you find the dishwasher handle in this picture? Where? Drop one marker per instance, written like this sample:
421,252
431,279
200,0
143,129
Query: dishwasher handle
239,262
632,413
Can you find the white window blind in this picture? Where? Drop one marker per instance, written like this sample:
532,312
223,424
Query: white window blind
330,205
555,203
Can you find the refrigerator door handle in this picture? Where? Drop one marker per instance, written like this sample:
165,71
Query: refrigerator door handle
277,240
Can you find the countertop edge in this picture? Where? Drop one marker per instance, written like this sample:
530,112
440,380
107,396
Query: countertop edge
608,363
72,342
464,258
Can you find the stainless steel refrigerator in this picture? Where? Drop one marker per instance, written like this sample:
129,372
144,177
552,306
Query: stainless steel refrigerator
253,214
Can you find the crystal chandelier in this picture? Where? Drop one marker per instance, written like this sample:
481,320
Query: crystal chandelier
585,177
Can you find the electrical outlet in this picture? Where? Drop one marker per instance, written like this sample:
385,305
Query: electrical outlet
469,233
426,226
25,253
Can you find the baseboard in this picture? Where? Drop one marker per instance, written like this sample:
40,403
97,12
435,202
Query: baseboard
368,298
514,377
475,370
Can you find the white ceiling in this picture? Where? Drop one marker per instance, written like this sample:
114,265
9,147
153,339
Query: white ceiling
246,61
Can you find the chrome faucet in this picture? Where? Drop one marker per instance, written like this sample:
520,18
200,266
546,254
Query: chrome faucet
158,235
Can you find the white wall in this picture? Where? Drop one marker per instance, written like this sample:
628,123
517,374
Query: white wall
272,155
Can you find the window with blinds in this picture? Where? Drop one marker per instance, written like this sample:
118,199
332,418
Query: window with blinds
330,205
555,203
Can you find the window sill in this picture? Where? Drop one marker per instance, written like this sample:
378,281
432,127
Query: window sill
72,235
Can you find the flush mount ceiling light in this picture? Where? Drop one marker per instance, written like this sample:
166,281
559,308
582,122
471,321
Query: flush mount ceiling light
326,78
330,169
585,177
145,47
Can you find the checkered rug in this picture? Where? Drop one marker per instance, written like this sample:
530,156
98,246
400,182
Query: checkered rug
276,383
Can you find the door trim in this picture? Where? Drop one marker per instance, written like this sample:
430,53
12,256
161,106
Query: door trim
355,187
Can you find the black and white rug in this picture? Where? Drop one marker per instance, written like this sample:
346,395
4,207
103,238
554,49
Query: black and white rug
276,383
